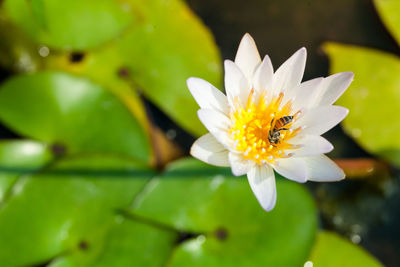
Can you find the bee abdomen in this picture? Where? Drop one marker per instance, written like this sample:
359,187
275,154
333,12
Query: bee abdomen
283,121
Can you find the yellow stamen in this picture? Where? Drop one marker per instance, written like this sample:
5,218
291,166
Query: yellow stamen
252,124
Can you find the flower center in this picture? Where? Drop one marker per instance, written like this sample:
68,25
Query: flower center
260,131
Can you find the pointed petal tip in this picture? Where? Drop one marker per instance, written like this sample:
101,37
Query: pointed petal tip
350,77
320,168
342,174
301,53
302,50
329,147
270,207
262,183
190,81
339,178
247,37
267,59
247,56
228,63
195,154
191,78
341,112
193,151
345,75
345,112
350,74
209,150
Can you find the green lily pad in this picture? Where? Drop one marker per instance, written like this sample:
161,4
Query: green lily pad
68,206
331,250
73,24
127,243
389,11
17,158
62,109
231,226
373,98
155,57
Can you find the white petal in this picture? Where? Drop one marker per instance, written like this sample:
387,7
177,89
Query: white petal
289,75
239,165
319,120
322,169
207,96
216,123
262,182
305,93
209,150
263,76
333,87
310,145
292,169
247,56
236,83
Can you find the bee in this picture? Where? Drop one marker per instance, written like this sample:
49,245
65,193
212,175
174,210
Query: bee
274,133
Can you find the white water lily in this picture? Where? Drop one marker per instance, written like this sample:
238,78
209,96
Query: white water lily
269,121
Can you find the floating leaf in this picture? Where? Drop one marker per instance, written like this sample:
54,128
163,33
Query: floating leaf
62,109
17,158
69,206
73,24
372,98
153,61
389,11
330,250
126,243
231,226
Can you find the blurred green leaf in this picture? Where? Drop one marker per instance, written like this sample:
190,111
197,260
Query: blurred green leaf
62,109
389,11
18,53
155,57
17,158
373,98
331,250
232,228
69,206
127,243
38,11
73,24
160,62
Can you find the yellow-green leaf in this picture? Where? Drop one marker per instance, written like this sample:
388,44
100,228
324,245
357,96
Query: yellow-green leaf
373,98
389,11
72,24
72,112
331,250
